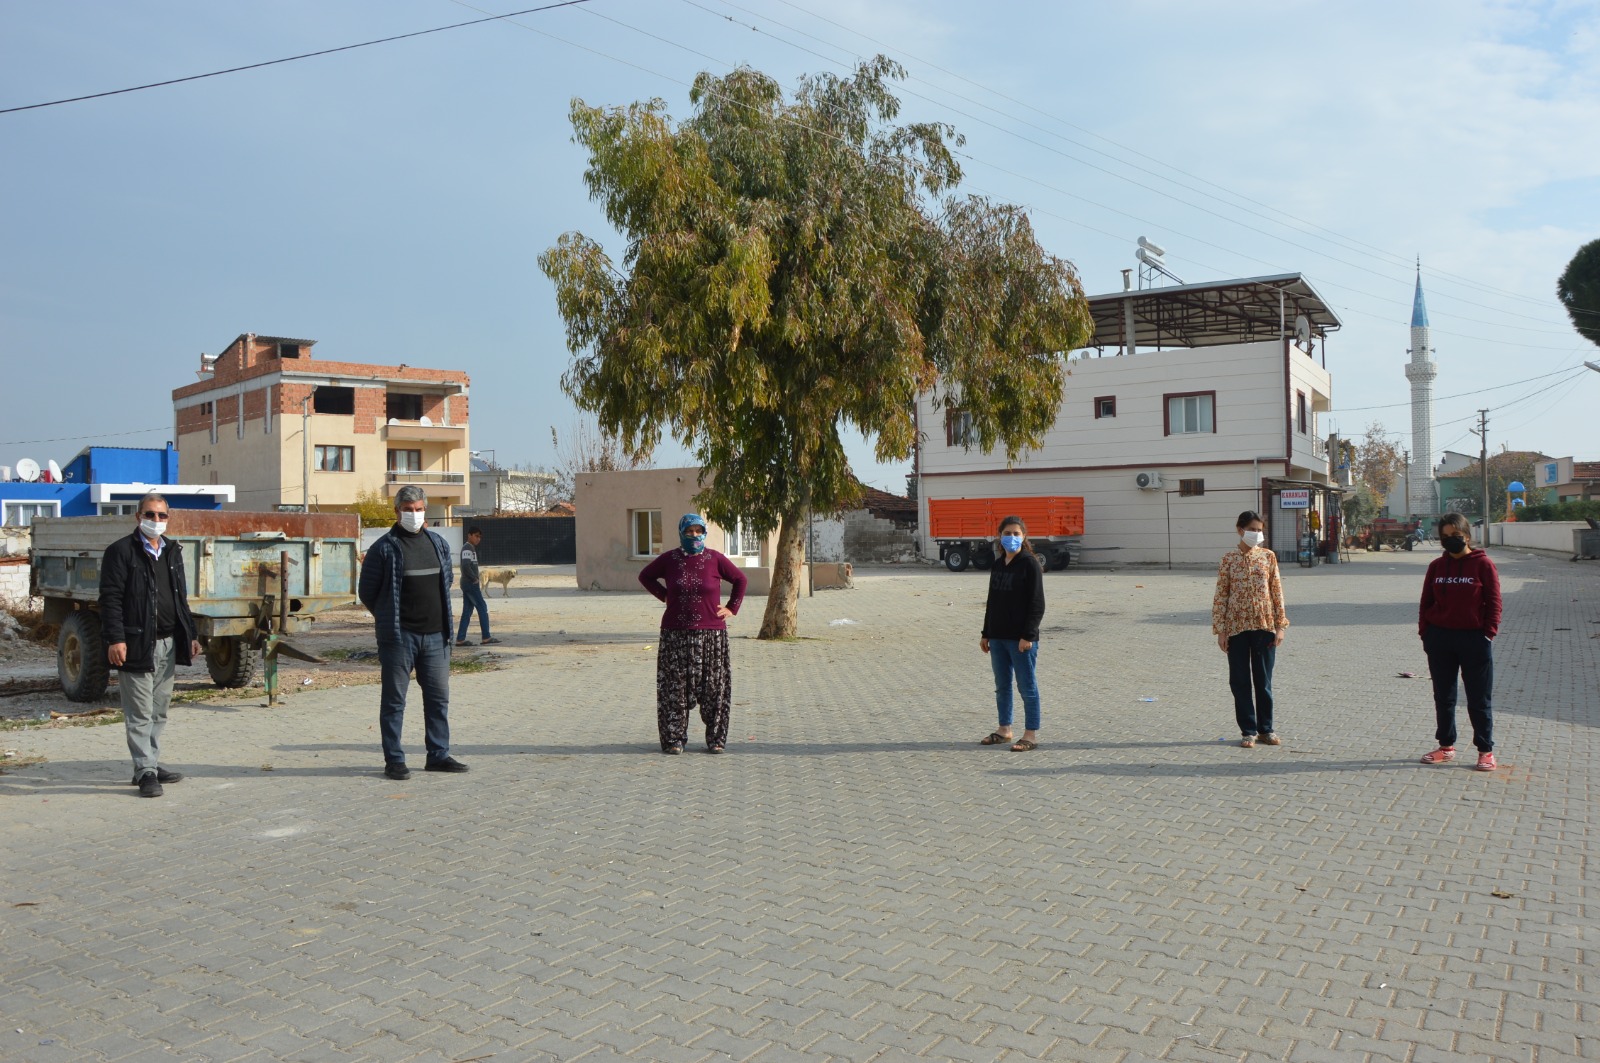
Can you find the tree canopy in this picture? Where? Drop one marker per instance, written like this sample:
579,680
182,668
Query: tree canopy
794,268
1579,291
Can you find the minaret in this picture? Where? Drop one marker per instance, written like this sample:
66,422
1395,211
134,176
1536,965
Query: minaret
1420,371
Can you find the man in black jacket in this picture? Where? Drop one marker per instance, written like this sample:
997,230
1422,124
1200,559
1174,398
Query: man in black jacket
148,631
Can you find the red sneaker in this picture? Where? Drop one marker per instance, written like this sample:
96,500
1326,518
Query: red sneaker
1486,762
1442,755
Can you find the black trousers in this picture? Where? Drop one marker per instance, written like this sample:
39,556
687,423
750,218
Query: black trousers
1471,655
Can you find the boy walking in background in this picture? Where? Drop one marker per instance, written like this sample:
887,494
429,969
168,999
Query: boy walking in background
1458,620
472,590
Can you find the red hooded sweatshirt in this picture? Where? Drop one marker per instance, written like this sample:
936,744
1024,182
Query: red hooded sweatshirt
1461,593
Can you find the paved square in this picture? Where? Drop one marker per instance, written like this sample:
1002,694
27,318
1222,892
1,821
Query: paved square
857,879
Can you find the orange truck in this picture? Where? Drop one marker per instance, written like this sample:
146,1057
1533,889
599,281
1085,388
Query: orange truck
966,528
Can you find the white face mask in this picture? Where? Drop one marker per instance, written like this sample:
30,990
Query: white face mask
1254,538
412,521
153,529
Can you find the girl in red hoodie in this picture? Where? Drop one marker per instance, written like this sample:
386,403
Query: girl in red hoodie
1458,620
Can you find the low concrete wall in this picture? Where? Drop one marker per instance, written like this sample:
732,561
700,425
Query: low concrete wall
1560,536
833,576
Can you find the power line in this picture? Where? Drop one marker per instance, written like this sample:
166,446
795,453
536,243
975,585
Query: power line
102,435
1461,395
288,59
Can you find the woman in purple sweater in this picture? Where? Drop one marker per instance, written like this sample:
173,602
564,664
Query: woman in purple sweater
692,658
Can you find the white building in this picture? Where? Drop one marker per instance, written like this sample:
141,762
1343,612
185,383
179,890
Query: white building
1211,391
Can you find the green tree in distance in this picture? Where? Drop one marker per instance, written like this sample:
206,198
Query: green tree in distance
793,268
1579,291
1378,463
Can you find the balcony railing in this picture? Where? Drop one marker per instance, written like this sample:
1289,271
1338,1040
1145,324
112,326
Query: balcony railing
406,477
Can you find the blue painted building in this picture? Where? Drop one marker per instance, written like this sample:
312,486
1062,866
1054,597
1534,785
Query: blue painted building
106,480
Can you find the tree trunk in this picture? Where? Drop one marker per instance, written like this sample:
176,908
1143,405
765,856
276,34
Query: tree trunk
780,621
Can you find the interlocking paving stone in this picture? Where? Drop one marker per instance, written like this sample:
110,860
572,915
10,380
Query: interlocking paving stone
856,878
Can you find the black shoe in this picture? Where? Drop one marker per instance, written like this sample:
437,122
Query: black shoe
162,775
463,642
398,772
149,785
449,764
491,641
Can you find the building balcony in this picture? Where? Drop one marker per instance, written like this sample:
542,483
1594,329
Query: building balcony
415,432
445,486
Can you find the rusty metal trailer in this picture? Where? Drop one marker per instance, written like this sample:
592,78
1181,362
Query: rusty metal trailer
254,579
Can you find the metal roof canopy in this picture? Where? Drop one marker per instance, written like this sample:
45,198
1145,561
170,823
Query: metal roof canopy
1212,314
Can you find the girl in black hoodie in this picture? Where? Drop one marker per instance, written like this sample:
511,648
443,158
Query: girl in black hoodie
1011,632
1458,620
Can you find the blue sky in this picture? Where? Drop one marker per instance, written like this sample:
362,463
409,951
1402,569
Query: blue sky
390,202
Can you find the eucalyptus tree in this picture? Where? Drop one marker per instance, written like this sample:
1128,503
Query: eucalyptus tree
795,268
1578,288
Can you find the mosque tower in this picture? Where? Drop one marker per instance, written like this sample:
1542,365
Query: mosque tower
1420,371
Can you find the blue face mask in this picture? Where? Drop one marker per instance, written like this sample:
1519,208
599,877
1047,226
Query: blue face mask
1011,543
692,544
692,533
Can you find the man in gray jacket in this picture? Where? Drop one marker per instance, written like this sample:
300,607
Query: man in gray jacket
405,584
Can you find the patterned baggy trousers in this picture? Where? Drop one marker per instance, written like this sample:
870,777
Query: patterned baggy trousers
692,667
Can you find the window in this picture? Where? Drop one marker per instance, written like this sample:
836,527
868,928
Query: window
742,542
335,459
1105,406
405,461
21,514
403,407
118,509
328,399
1191,413
958,430
1191,488
1300,412
646,532
288,350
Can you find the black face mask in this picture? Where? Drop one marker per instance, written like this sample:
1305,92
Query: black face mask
1453,543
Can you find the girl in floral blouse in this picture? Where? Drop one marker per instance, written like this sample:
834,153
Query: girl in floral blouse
1248,618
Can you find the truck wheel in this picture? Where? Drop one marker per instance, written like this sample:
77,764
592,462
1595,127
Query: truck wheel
1044,561
955,558
982,559
1061,559
81,658
231,662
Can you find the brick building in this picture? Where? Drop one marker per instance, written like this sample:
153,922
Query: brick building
287,428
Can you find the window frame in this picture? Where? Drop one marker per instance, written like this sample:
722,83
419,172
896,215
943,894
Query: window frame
1301,419
320,452
1098,399
654,532
392,467
36,508
965,436
332,392
736,536
389,413
1166,411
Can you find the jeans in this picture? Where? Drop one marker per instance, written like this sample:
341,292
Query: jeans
429,655
472,598
1007,660
145,698
1471,653
1251,655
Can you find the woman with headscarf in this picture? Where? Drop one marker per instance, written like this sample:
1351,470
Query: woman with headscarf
692,657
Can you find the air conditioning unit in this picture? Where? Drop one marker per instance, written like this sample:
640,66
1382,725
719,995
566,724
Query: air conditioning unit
1148,481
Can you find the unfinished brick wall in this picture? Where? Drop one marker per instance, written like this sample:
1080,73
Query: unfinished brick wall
370,410
433,408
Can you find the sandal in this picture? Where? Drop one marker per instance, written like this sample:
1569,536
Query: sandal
1023,745
995,738
713,749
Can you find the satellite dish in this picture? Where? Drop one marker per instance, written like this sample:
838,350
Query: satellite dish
394,420
28,470
1302,332
426,421
55,473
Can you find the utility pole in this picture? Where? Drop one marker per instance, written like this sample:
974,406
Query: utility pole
1405,461
1483,470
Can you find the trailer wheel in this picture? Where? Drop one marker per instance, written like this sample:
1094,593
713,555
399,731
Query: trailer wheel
955,558
1044,561
1061,559
81,658
982,559
231,662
